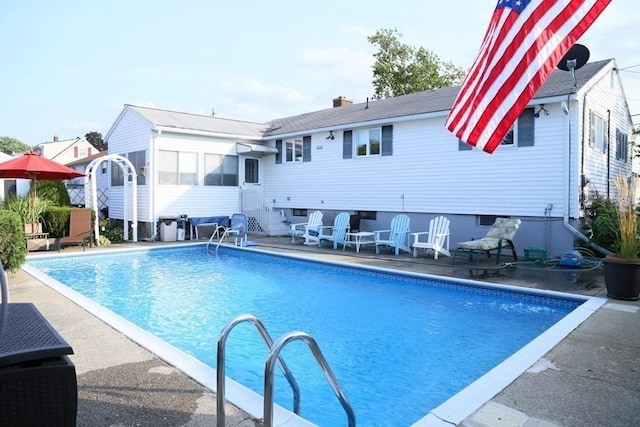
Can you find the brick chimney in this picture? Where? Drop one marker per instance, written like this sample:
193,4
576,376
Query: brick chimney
341,101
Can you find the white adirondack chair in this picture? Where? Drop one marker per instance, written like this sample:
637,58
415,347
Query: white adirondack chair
309,231
435,240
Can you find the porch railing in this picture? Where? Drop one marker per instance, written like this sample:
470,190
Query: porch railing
258,209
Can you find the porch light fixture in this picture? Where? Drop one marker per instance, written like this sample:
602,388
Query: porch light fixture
541,110
331,136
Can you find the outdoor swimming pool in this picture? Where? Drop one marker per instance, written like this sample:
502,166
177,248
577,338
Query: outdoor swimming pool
399,344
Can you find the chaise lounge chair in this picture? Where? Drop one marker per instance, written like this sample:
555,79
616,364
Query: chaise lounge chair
80,226
499,236
437,238
339,231
309,231
397,237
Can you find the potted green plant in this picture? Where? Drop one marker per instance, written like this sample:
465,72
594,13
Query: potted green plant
28,210
622,269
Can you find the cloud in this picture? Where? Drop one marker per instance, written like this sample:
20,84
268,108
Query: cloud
253,100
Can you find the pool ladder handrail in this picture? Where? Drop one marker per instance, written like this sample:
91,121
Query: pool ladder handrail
274,355
220,365
225,235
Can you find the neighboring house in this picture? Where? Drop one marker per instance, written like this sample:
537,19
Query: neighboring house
383,157
76,186
66,150
14,187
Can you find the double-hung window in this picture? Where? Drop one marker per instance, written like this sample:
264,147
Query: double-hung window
597,129
521,133
293,149
622,145
138,160
376,141
367,142
220,170
177,168
117,176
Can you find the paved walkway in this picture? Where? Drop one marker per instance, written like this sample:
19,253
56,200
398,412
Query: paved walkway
592,378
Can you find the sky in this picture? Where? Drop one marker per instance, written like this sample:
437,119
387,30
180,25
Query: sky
68,67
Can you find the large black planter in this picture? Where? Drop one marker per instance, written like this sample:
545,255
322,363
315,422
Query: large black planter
622,277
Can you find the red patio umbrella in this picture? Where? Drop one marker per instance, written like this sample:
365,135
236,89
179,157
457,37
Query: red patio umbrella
35,167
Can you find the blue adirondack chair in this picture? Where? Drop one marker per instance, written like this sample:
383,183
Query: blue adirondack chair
397,237
337,232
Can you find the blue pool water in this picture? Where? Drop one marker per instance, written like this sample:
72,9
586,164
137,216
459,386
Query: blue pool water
398,344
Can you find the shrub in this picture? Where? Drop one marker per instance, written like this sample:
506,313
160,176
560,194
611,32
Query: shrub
602,222
13,250
113,232
22,206
104,241
56,219
54,191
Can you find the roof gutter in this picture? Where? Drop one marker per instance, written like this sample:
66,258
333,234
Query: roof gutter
160,129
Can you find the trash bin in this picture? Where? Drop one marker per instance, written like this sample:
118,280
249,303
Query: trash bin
168,228
181,227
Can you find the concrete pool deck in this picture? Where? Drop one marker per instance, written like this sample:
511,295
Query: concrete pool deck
592,377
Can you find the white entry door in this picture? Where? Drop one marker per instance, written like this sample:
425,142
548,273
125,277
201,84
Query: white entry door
251,173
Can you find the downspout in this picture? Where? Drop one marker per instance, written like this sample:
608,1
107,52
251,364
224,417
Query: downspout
608,154
151,185
583,178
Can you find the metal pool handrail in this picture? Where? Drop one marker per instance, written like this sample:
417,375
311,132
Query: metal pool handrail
4,294
274,355
220,364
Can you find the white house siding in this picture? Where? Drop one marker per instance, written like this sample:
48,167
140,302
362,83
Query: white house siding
198,200
130,133
428,175
606,98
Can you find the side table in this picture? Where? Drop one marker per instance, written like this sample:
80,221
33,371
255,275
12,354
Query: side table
38,383
357,238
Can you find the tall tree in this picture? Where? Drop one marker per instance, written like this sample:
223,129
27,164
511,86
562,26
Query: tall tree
401,69
10,145
95,139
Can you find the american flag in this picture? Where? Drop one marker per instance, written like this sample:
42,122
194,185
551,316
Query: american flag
525,41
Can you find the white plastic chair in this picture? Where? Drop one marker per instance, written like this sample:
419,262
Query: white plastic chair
437,238
309,231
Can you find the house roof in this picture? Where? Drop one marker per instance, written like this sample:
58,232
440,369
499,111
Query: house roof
88,159
186,121
559,83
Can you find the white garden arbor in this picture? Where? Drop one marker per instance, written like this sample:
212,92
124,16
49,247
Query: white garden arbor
130,215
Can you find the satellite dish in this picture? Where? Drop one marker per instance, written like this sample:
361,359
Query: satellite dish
577,56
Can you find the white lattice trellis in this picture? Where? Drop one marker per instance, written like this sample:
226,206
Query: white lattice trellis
130,193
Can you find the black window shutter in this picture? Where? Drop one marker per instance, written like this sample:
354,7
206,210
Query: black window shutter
279,153
526,123
463,146
306,149
347,144
387,140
